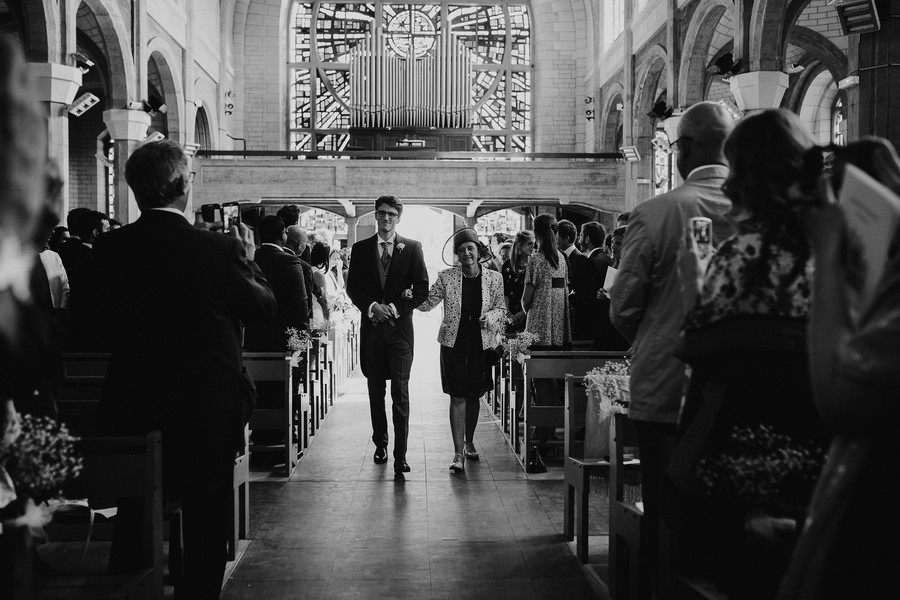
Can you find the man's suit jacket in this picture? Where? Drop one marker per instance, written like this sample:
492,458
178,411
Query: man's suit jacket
588,275
312,288
284,272
85,320
175,310
407,269
647,304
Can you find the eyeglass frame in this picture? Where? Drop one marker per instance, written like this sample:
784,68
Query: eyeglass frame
383,214
678,140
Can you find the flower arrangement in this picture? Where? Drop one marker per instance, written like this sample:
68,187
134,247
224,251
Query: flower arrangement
609,384
319,328
762,467
41,459
298,342
518,346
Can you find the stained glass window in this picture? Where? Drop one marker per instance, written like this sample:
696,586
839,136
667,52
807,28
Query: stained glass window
382,64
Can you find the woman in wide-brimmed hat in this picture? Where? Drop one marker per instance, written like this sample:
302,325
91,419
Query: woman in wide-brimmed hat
474,314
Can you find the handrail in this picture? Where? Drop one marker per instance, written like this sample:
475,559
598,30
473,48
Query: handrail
413,154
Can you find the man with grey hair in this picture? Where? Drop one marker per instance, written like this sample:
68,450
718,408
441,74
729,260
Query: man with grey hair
297,245
175,307
646,300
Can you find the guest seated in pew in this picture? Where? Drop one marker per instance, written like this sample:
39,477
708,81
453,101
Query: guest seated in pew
646,305
473,319
853,364
175,310
749,401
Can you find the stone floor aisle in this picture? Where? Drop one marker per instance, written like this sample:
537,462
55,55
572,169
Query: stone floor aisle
343,527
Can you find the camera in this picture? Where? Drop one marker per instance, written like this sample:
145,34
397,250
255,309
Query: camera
231,216
701,231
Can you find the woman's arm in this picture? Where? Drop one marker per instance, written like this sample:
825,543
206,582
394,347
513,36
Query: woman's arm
319,278
496,311
527,296
435,294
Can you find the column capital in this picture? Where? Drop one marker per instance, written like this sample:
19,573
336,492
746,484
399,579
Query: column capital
759,89
54,82
124,124
671,126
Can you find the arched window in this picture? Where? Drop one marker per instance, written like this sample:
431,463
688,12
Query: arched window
662,161
434,65
838,126
201,130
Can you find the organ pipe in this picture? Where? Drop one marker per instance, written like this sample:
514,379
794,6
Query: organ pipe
387,90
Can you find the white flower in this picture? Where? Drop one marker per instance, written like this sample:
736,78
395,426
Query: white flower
400,246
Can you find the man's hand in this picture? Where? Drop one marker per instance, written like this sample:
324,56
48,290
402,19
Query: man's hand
381,313
243,234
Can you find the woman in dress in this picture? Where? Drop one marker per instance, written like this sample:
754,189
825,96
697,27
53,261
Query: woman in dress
730,497
319,258
855,382
473,318
513,271
545,298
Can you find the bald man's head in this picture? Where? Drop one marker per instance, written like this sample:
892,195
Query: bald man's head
702,131
296,239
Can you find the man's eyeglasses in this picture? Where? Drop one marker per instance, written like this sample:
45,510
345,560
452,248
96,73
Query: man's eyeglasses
680,140
383,214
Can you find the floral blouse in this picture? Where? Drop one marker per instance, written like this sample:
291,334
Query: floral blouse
748,277
548,317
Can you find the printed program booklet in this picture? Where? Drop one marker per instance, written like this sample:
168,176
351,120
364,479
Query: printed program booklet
872,212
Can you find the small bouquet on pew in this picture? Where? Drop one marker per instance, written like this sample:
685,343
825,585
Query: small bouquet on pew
298,342
609,385
319,328
518,346
37,458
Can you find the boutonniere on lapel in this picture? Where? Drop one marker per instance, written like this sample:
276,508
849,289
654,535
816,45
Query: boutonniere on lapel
400,247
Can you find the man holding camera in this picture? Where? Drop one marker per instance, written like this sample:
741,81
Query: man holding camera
647,305
175,310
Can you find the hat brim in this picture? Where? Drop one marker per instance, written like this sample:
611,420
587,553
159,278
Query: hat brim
449,256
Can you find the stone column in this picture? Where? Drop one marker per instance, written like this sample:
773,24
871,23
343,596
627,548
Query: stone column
631,186
879,77
127,128
671,127
351,230
470,221
759,89
56,85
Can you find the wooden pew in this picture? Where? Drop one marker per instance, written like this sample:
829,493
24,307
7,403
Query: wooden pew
274,367
553,365
628,576
118,468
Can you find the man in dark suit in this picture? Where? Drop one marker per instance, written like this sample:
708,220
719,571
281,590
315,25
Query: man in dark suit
590,314
284,273
565,242
77,254
296,244
381,268
175,310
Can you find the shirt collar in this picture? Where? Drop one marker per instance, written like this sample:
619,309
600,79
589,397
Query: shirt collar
273,245
391,239
568,251
701,167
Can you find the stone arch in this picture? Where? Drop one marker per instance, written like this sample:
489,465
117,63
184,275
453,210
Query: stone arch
692,73
766,33
649,85
116,37
172,89
816,106
822,49
205,97
37,24
611,122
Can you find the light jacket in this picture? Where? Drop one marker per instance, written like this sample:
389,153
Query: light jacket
448,287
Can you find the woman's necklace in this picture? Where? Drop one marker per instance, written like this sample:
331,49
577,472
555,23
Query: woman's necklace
477,273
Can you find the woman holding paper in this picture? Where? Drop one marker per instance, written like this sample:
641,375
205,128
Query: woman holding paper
853,367
749,403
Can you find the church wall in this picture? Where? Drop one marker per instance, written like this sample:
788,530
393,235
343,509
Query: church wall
264,119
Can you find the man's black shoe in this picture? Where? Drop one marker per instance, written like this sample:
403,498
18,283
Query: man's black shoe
401,466
380,455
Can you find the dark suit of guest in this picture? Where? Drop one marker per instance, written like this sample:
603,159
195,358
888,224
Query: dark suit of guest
386,349
84,316
175,310
312,288
590,315
284,272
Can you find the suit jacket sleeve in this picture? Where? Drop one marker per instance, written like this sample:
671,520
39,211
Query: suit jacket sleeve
496,312
418,279
249,292
356,285
628,297
298,300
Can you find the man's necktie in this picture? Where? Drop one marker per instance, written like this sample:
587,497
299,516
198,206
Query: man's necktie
385,256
